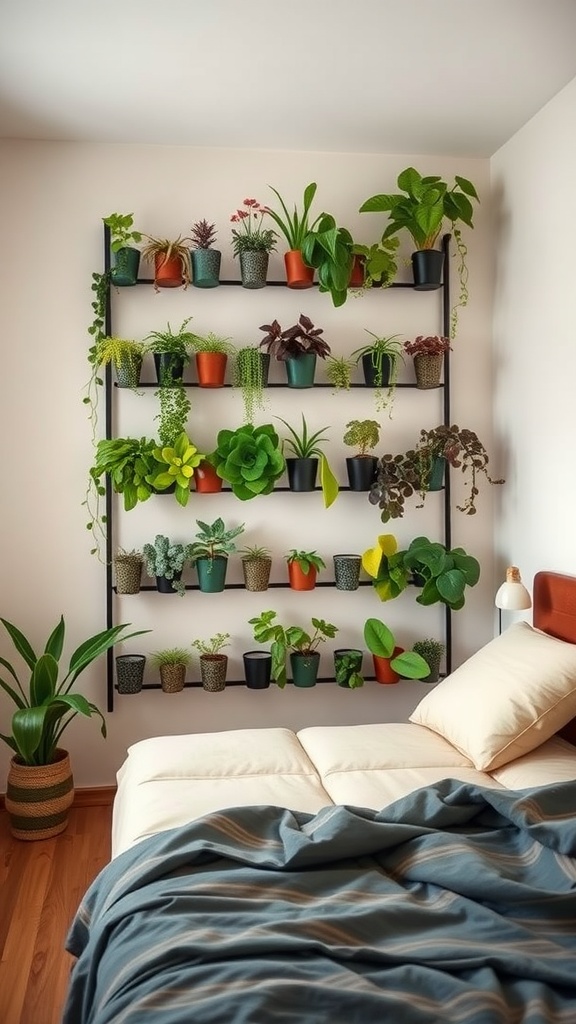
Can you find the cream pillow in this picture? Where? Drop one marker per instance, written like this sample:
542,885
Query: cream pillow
508,698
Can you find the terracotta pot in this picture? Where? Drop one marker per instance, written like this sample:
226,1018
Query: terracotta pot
300,580
38,797
168,273
298,275
206,479
211,369
382,670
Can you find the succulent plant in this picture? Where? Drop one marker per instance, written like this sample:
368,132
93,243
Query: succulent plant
249,459
179,461
214,540
166,558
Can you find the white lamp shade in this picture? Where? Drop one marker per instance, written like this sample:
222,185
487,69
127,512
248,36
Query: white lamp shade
512,596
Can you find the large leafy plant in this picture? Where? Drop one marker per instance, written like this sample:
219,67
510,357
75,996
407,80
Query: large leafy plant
131,465
328,249
249,459
285,638
45,707
442,574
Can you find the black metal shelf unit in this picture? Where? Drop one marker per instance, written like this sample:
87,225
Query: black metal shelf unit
109,504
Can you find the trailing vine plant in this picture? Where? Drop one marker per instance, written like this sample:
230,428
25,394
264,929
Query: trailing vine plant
249,377
463,273
97,522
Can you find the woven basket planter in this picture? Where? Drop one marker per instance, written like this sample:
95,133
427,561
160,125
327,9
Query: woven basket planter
128,570
213,669
38,797
256,573
428,370
172,678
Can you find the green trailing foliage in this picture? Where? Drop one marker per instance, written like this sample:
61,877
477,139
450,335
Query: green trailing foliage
329,249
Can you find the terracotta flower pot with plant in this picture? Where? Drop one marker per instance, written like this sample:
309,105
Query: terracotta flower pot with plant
303,569
171,259
295,226
212,353
390,660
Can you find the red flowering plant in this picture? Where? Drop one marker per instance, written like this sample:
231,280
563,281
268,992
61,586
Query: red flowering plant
432,345
250,236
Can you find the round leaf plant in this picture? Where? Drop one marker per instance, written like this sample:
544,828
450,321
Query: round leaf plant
249,459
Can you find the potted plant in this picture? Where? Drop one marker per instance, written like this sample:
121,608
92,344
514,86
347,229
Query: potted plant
125,256
378,263
432,651
302,465
347,571
442,574
303,569
171,259
128,571
295,226
257,669
381,360
348,667
461,449
210,551
212,353
362,435
125,355
44,709
130,465
256,565
205,259
249,459
397,478
298,347
303,647
328,249
165,559
250,374
213,664
421,208
130,672
252,243
171,663
428,353
171,351
390,660
175,467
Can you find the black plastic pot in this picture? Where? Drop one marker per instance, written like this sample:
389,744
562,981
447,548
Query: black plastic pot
302,474
427,266
376,369
361,471
257,669
164,586
168,367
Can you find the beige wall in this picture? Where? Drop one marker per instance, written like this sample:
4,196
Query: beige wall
53,198
534,339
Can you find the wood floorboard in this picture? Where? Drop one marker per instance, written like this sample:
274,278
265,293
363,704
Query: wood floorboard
41,885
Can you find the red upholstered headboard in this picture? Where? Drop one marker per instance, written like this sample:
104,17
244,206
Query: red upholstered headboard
554,601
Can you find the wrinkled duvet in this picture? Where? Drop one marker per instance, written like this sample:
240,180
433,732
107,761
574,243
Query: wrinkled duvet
455,903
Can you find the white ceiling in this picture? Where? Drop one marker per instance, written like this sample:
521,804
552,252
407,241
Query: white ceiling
454,77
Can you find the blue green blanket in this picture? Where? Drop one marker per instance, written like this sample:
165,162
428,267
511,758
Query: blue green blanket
457,903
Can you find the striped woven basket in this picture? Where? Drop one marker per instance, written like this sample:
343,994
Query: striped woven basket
38,797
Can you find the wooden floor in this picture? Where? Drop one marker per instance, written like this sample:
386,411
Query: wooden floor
41,885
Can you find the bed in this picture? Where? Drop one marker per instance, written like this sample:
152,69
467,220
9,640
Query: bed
412,872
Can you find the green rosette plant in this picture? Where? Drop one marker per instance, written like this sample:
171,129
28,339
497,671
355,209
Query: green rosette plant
179,461
249,458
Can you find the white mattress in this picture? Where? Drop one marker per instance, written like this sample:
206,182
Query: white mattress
169,780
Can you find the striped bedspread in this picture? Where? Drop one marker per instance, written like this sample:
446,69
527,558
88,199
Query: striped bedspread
457,903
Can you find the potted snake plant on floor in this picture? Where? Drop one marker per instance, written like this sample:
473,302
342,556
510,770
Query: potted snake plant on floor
40,786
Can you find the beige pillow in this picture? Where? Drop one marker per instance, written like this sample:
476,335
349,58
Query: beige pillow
508,698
